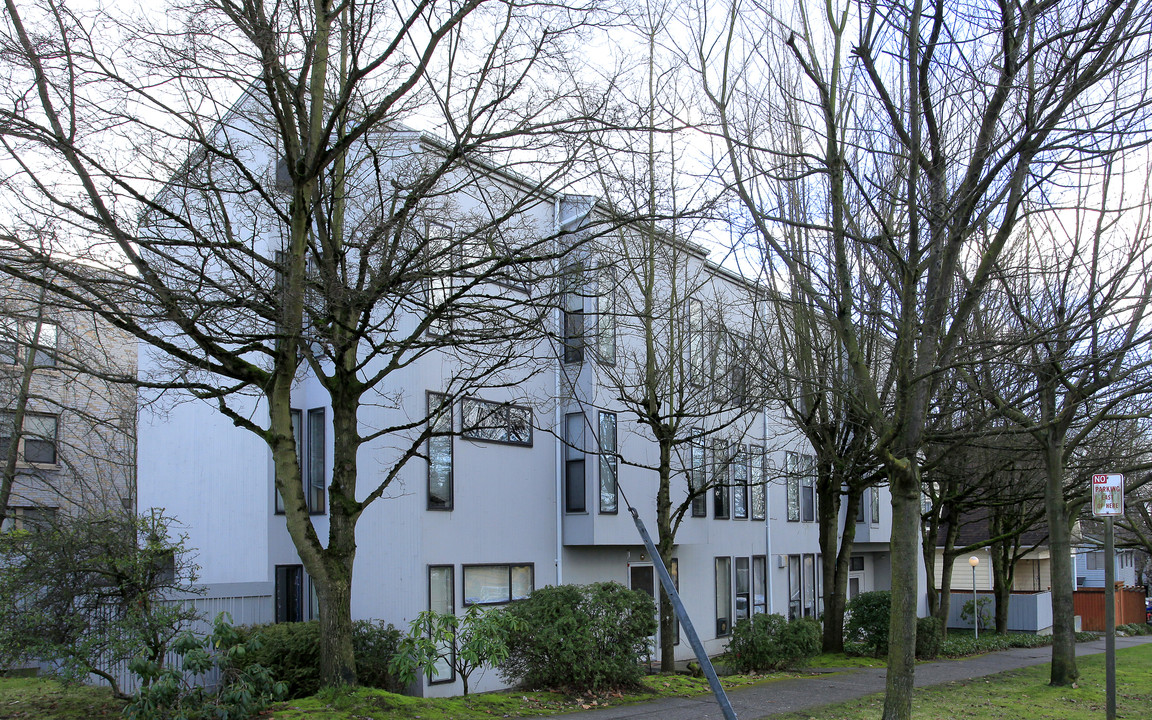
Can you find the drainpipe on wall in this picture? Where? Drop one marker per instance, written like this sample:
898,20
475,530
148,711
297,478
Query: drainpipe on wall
558,419
767,526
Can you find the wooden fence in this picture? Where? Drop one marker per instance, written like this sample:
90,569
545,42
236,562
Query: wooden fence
1088,603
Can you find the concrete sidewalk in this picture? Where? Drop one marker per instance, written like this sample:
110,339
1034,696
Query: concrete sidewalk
767,699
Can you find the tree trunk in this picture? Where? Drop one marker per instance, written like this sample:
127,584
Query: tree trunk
337,659
905,486
835,565
665,544
1064,671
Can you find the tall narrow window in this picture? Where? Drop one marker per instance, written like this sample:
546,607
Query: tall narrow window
794,588
315,487
696,341
442,599
696,477
608,463
875,493
289,593
606,317
721,492
740,484
574,482
743,588
809,585
723,596
442,265
573,307
792,479
759,584
808,489
439,452
759,484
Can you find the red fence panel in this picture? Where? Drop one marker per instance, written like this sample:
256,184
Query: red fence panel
1088,603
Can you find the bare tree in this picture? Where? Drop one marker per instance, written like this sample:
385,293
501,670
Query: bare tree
248,168
953,117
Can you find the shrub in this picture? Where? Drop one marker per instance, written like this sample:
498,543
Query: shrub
245,688
978,612
375,644
929,636
768,642
868,620
291,651
580,637
464,644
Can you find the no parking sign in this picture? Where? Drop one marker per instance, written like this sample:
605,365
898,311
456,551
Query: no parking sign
1107,495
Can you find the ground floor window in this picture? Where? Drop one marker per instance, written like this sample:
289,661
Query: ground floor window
497,584
759,584
442,599
723,596
804,596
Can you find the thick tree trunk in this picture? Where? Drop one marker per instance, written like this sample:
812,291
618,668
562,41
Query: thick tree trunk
905,486
1064,670
664,545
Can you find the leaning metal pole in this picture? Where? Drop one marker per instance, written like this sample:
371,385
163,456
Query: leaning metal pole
685,621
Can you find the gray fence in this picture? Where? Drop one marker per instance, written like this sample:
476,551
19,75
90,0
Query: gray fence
1027,612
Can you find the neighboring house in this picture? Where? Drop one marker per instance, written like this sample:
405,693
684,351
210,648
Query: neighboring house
1091,563
76,447
531,489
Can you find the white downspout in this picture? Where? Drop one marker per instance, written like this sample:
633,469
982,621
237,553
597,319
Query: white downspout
769,566
558,420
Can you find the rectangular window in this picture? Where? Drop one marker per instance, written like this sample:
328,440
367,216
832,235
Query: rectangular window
723,596
696,476
573,309
439,416
759,584
31,519
875,492
443,262
696,341
289,593
442,599
860,510
674,571
497,584
809,591
314,484
17,335
740,486
792,478
759,484
856,563
608,463
606,317
1095,560
793,587
574,483
721,491
807,490
495,422
310,454
37,444
743,588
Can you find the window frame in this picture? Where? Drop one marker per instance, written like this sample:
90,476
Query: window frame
16,337
450,676
721,491
723,572
574,457
438,411
736,587
8,422
792,485
510,566
501,411
574,325
739,475
313,474
609,464
759,484
288,593
698,474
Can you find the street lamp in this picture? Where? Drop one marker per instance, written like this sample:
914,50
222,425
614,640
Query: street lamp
974,561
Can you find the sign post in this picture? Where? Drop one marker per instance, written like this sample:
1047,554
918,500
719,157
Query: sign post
1108,502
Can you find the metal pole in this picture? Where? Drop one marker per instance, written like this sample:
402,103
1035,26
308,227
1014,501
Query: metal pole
685,621
975,606
1110,617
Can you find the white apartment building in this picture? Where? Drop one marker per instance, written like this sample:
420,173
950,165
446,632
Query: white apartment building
532,487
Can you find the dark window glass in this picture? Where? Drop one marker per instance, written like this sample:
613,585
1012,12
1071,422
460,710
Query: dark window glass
439,452
495,422
721,492
723,596
575,496
315,486
573,307
289,593
696,476
608,463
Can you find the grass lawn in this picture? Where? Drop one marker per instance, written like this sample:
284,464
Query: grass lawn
1019,694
